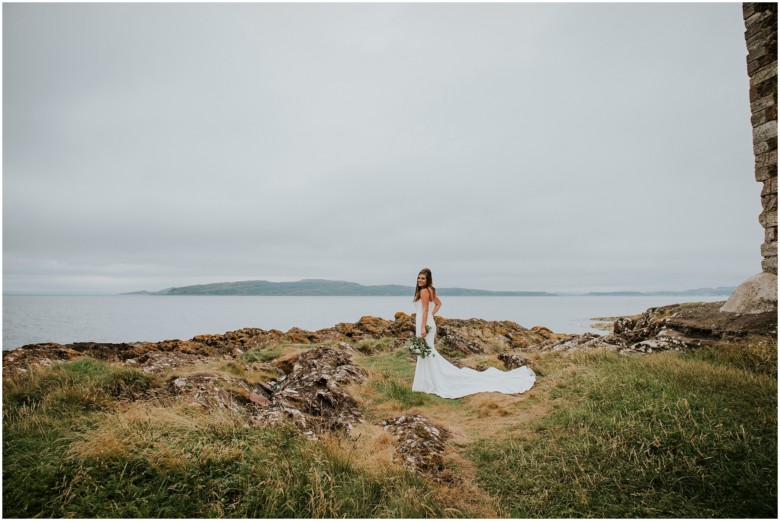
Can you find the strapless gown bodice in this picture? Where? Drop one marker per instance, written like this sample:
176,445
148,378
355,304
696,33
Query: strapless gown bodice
429,322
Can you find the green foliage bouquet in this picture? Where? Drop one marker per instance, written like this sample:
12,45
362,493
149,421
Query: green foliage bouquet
419,346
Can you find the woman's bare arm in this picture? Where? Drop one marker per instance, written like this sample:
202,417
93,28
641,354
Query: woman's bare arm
426,299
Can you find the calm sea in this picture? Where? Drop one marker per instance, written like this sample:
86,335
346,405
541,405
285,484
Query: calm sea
65,319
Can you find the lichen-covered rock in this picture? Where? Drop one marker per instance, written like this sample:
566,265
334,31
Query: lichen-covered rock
673,327
157,362
483,336
311,394
469,336
211,390
420,444
22,359
513,360
571,343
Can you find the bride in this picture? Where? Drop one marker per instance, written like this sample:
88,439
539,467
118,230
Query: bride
435,375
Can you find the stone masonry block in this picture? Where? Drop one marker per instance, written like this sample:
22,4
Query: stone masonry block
764,132
767,87
770,234
765,146
751,8
753,18
758,25
768,219
764,74
759,38
768,21
771,112
769,203
762,104
761,59
767,159
760,148
758,53
765,172
770,186
769,249
769,265
751,15
760,20
759,118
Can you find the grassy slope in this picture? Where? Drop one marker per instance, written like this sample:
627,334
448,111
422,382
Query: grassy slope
600,435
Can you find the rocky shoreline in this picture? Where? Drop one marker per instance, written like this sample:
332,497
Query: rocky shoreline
308,386
668,327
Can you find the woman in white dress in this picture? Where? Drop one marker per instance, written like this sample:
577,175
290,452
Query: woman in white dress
435,375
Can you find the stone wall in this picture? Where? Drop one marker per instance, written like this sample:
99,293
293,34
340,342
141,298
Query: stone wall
761,37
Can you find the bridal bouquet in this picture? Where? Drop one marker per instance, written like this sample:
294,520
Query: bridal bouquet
418,346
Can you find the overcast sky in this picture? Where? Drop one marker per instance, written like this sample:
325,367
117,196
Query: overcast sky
559,147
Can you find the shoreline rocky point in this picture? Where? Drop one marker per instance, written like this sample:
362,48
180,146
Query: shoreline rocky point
308,388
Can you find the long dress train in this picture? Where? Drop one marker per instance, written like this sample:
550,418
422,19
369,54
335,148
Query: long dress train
435,375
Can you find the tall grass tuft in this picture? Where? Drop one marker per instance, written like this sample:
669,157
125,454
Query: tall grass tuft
261,354
391,389
668,435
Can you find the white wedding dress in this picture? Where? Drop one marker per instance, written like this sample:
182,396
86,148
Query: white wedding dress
435,375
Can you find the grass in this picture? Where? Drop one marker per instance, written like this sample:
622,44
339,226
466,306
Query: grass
72,450
675,434
220,468
389,386
371,346
670,435
261,355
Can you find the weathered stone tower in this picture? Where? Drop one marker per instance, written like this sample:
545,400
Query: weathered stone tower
759,293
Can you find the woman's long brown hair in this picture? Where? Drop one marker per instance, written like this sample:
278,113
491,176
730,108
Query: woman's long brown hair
428,284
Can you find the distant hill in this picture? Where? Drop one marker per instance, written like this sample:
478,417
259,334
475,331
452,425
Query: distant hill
321,287
338,288
721,291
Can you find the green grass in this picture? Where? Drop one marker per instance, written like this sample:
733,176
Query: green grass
70,449
261,354
392,376
668,435
392,389
688,434
397,363
83,384
45,410
371,346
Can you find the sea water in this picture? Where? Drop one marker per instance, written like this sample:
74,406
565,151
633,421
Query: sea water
32,319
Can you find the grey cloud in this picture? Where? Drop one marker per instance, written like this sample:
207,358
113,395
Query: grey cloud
507,146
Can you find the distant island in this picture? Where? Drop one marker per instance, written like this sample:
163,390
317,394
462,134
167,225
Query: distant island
721,291
323,288
337,288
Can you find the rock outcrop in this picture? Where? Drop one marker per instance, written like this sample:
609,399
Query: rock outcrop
513,360
672,327
469,336
214,391
420,445
669,327
758,294
311,395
